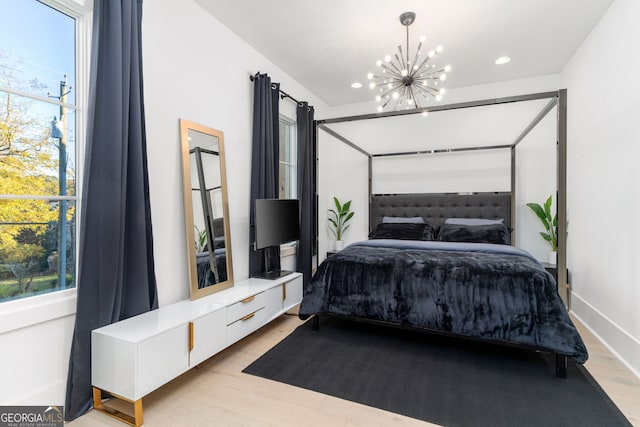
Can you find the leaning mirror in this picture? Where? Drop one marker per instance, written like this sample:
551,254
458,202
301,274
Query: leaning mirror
206,209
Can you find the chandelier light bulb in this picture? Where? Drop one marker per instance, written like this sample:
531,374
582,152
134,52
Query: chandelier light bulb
387,58
439,49
423,39
425,113
442,91
447,68
395,95
443,77
378,98
404,72
370,76
410,101
379,108
372,85
432,53
379,63
438,97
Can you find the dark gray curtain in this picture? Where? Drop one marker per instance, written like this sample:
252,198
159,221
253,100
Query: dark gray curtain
264,164
306,189
116,277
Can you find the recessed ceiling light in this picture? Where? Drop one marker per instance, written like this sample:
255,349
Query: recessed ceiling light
356,85
503,60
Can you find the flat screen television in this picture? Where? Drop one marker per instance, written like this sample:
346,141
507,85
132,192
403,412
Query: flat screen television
276,222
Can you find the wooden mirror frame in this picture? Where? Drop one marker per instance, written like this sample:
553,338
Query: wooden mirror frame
194,290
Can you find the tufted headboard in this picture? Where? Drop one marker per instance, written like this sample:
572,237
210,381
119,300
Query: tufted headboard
435,208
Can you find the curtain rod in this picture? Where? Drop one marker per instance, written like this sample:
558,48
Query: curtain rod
283,94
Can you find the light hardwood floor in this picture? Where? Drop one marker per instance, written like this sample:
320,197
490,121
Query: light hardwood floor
217,393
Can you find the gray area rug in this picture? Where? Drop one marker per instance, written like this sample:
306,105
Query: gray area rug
442,380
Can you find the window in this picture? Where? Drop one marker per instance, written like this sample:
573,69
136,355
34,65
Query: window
288,189
40,133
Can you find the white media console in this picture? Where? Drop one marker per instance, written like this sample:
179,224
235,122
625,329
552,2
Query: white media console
133,357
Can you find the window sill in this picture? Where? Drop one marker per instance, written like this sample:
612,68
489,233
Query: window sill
31,311
288,249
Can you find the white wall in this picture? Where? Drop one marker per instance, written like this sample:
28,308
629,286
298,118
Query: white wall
603,178
342,173
194,68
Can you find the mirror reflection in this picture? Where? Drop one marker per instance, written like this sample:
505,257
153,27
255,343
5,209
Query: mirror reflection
206,207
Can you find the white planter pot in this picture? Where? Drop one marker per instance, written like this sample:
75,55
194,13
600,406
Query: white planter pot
553,257
339,245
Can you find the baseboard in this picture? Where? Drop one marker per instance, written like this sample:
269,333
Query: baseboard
51,395
624,346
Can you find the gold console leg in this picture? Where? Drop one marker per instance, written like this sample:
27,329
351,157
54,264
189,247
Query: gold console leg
135,421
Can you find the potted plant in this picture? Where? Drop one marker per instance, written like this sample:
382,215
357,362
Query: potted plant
550,224
338,221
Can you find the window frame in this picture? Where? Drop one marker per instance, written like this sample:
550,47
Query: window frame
292,165
24,312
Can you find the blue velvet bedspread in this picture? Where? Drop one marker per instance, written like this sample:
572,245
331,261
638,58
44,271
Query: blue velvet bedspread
484,291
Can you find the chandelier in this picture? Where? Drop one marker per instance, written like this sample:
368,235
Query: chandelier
405,83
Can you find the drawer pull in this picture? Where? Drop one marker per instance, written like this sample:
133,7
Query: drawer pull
248,316
191,336
249,299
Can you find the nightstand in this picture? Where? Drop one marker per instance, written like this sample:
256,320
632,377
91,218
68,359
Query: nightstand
332,252
551,268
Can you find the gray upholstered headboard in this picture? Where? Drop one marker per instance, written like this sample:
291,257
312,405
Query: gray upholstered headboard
435,208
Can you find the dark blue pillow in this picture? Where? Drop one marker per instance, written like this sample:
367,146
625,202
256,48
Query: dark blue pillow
489,233
403,231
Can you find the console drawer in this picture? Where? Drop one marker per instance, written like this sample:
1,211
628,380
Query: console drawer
242,308
245,325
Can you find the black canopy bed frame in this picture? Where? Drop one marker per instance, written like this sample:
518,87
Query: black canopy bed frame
436,207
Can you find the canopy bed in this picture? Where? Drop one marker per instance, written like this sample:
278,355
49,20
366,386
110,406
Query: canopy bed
447,263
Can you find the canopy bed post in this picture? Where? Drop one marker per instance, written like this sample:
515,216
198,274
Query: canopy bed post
513,194
564,288
370,182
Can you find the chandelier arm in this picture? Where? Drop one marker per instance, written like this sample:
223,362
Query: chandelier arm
386,103
393,70
400,64
391,89
415,59
395,107
417,95
428,91
411,94
406,94
423,66
426,79
401,58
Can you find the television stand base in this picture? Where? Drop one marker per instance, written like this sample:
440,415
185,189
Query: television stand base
272,275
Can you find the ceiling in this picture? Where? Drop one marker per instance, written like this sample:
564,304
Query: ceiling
327,45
